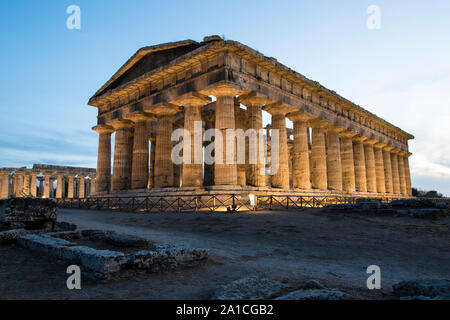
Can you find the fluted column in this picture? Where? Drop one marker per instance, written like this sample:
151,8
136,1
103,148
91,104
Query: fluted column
388,170
140,153
225,173
4,185
379,167
59,187
70,188
121,168
254,102
360,164
33,186
41,187
371,173
281,177
334,161
163,166
301,174
401,172
93,186
192,166
104,158
395,172
348,162
46,186
81,188
26,185
318,157
407,174
151,178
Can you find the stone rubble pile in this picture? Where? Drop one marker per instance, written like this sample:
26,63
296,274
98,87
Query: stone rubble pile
29,213
423,289
250,288
258,288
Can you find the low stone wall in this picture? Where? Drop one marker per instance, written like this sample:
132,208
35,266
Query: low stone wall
105,263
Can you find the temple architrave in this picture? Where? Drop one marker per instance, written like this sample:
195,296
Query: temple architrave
335,147
47,181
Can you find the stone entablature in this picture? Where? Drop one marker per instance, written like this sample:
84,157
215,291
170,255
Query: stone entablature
71,182
168,86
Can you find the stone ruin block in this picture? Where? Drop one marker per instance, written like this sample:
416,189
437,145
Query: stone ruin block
31,213
160,257
101,262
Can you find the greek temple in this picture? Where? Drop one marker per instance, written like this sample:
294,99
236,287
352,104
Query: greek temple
47,181
335,147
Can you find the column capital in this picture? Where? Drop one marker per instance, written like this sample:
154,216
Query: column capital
298,116
334,128
359,138
139,116
118,124
318,123
222,90
278,108
163,109
371,141
347,134
103,128
191,99
380,145
254,99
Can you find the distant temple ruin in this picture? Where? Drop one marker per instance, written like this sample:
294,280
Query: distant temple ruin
47,181
336,146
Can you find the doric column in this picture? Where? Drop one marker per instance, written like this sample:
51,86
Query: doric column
41,187
81,188
140,166
33,187
47,187
401,172
59,187
104,158
163,173
281,178
254,102
334,162
93,186
371,173
70,188
348,162
151,177
388,169
395,173
26,185
121,168
4,185
208,175
225,173
360,164
318,156
407,174
18,184
301,174
379,167
192,166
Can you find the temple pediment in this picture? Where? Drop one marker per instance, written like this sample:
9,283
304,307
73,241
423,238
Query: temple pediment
147,59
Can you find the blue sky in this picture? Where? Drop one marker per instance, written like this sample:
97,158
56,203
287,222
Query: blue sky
400,72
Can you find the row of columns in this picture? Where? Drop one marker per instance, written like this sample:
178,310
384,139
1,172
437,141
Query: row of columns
25,185
338,159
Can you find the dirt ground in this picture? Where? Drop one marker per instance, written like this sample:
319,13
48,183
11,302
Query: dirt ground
292,247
